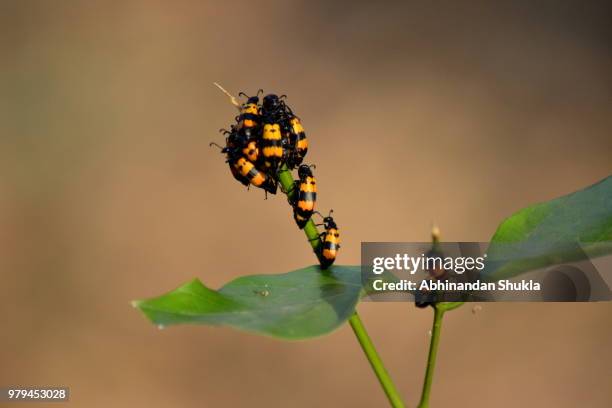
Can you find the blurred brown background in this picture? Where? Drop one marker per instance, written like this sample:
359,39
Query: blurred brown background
453,113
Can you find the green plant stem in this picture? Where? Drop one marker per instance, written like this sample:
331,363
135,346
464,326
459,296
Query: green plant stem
433,352
310,229
286,181
375,361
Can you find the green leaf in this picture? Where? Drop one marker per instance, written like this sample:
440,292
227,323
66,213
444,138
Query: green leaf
566,229
305,303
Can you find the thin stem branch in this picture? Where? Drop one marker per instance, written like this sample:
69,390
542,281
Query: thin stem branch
377,365
431,358
231,97
286,181
439,309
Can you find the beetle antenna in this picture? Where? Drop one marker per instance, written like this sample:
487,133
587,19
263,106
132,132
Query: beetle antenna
215,144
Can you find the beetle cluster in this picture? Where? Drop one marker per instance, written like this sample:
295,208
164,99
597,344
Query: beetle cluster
265,137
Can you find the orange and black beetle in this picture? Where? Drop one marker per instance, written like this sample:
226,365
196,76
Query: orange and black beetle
331,241
305,196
